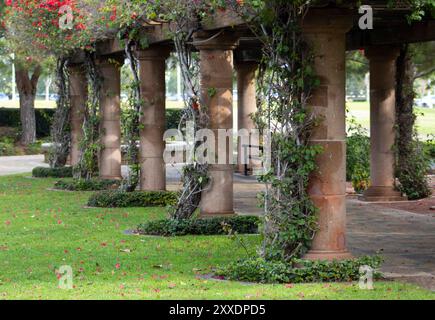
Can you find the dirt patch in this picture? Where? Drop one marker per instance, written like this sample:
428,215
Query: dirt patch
420,206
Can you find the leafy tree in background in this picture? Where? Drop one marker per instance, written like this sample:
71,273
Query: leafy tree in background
357,67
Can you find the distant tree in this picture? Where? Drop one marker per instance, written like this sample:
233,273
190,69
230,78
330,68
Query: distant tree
5,74
357,67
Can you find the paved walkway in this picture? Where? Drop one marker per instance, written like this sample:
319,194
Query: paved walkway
407,240
20,164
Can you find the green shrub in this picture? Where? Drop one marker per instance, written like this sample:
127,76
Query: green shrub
87,185
122,199
206,226
412,172
7,147
297,271
173,117
429,147
10,117
357,157
42,172
34,148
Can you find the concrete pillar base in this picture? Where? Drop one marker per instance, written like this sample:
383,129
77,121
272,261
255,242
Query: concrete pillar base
217,198
327,255
381,194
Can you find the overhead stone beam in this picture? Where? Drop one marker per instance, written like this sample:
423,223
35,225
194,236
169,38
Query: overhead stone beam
417,32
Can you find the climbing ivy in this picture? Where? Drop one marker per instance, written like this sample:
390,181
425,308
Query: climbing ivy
412,163
90,145
60,129
285,82
131,121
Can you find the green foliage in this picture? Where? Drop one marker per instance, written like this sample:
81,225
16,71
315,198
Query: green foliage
357,66
412,163
10,117
60,129
122,199
357,156
90,145
131,124
173,118
201,226
429,148
7,147
297,271
412,172
285,82
87,185
42,172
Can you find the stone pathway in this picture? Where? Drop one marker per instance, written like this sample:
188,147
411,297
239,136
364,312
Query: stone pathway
407,240
20,164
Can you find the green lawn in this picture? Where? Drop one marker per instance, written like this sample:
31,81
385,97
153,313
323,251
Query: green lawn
42,230
425,119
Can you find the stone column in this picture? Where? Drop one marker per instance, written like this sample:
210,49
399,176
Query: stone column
110,127
216,81
382,121
152,64
246,105
325,31
78,97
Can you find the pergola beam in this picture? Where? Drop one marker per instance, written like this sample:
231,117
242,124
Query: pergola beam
405,33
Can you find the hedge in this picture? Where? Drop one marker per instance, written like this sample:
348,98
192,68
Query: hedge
201,226
87,185
10,117
122,199
42,172
297,271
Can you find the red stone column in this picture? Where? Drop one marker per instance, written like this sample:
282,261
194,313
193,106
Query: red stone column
78,98
152,64
246,104
217,77
110,127
325,31
382,122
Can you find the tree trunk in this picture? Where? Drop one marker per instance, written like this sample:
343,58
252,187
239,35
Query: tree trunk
27,91
27,117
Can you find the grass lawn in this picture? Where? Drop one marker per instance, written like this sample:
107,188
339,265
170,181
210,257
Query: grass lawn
42,230
425,118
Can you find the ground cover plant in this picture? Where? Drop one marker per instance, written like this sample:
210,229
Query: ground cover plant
94,184
42,172
122,199
201,226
